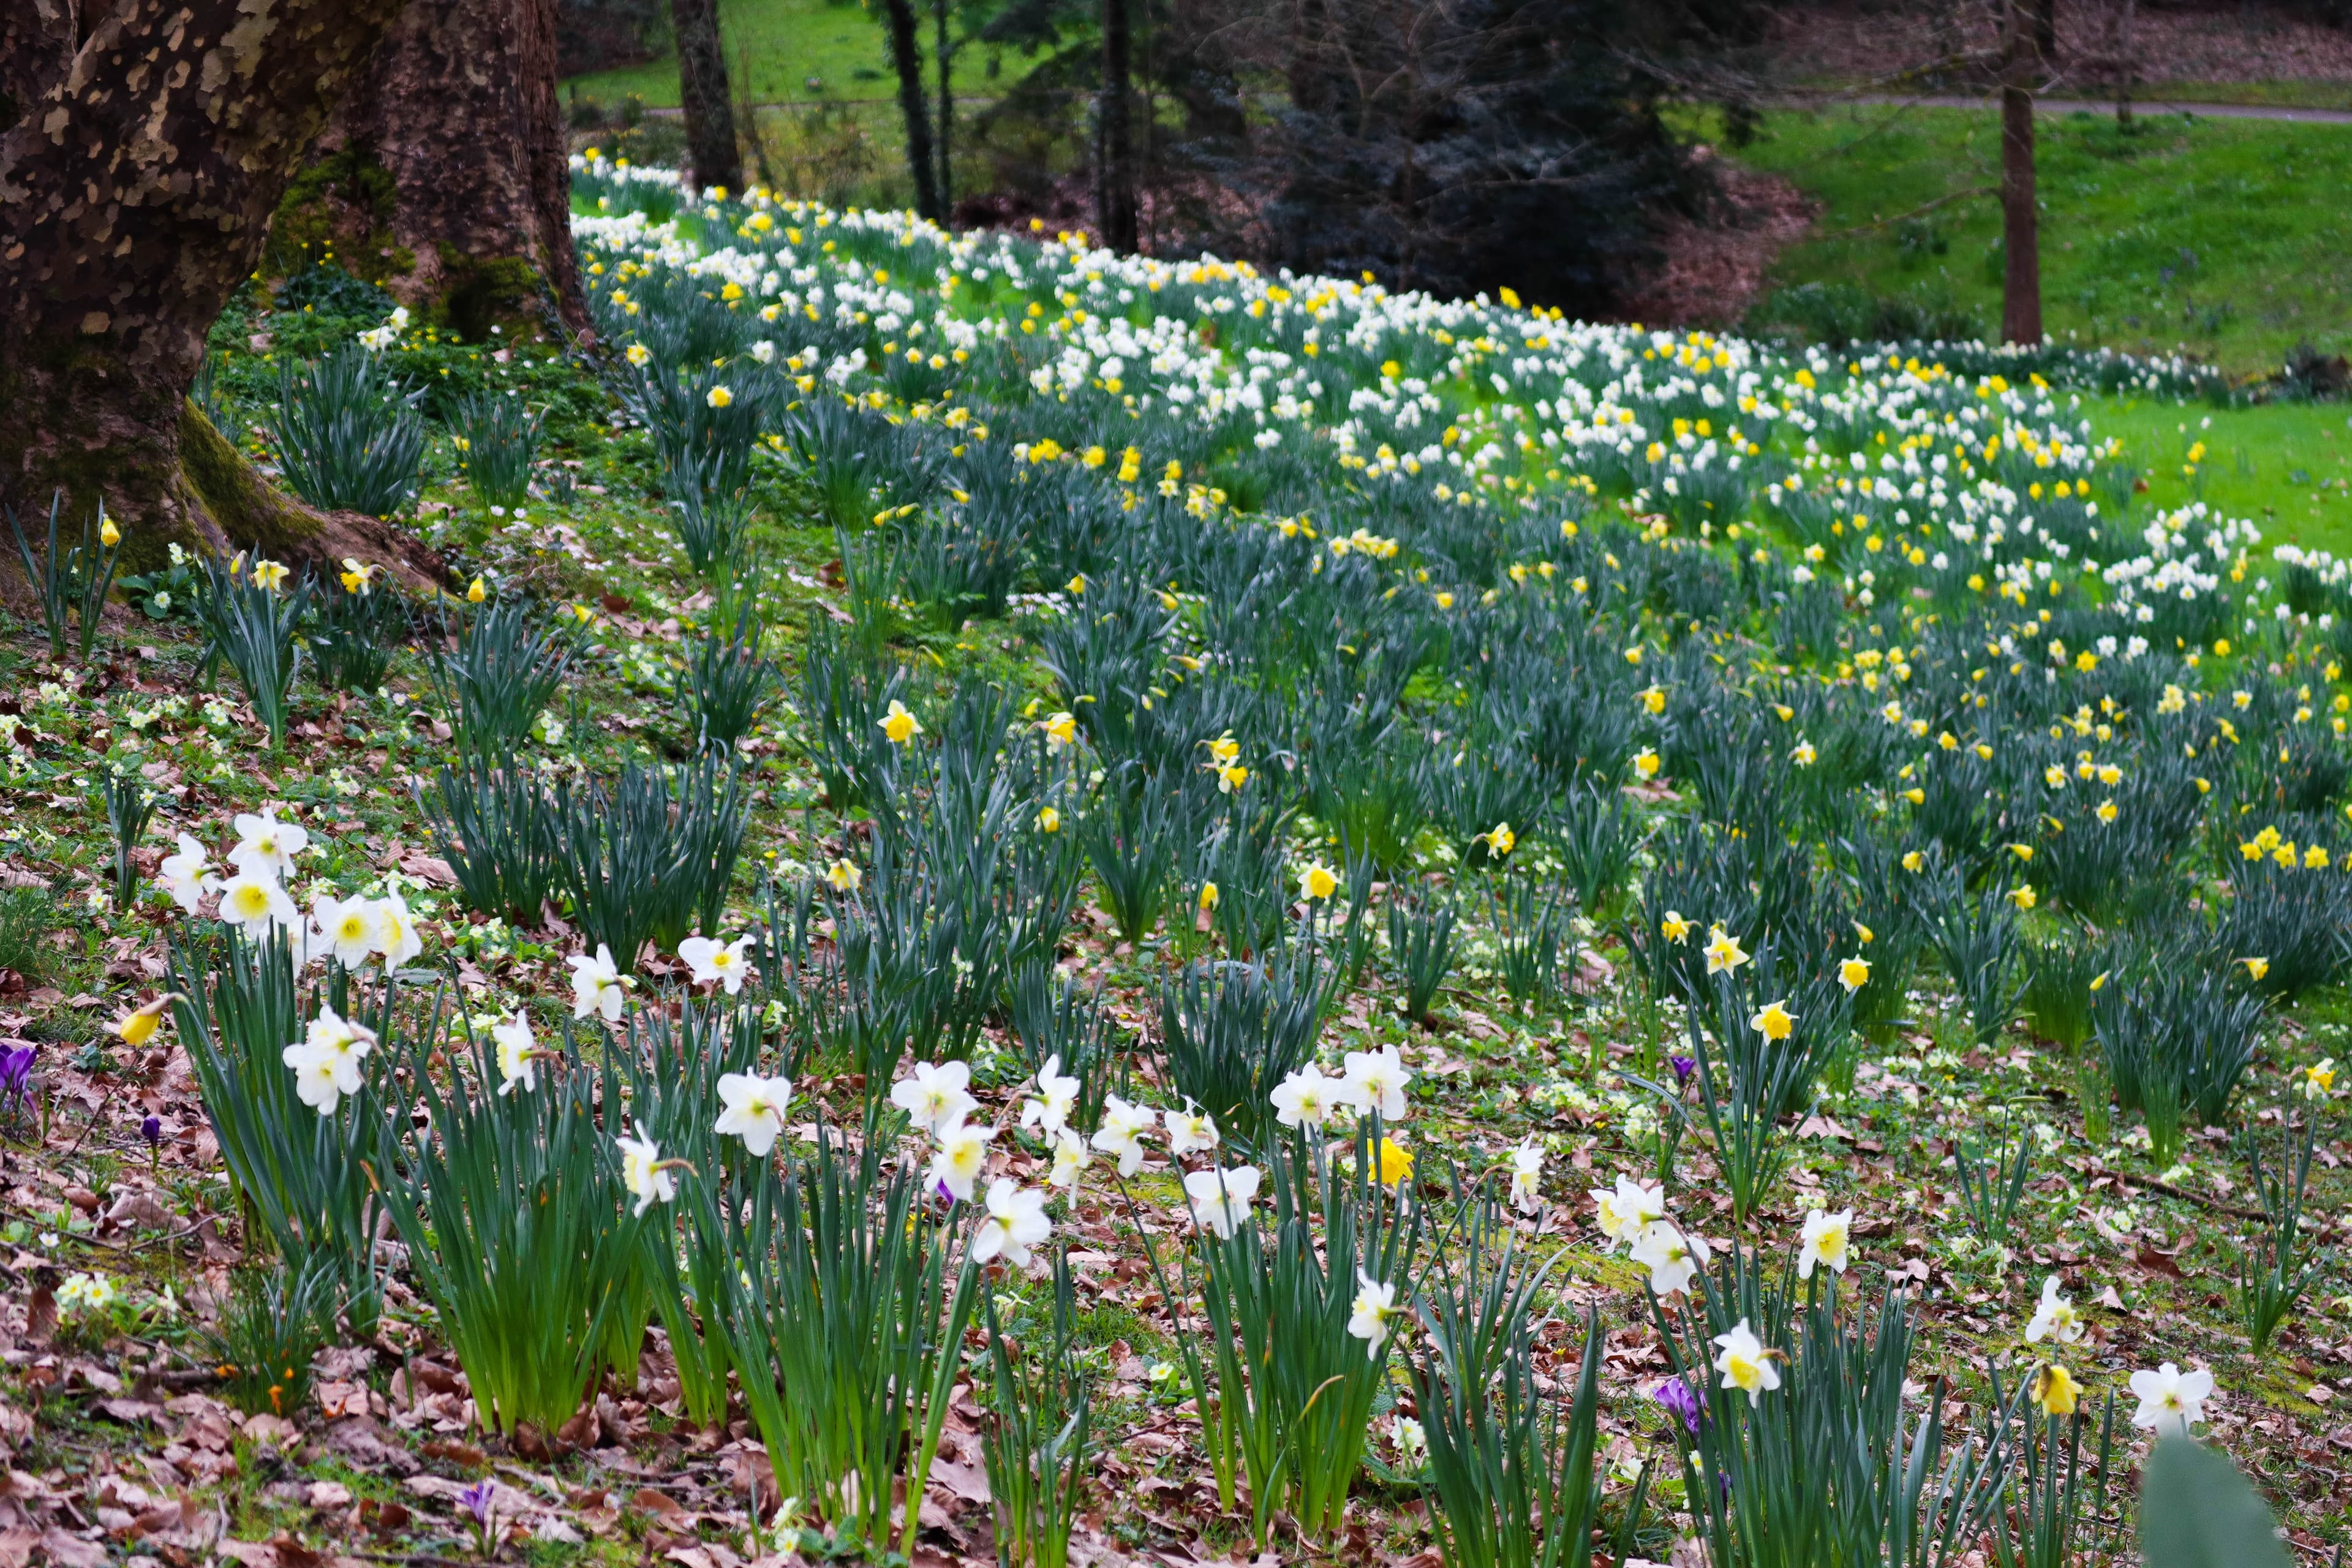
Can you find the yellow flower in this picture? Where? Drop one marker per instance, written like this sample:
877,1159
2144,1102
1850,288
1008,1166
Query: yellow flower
2319,1079
1674,927
1208,897
2107,811
2314,858
1854,973
1317,882
1061,730
2256,967
1049,820
2022,851
271,574
138,1026
1646,764
2055,1390
1863,931
1804,754
476,593
1396,1162
1231,776
1723,952
108,534
1077,587
1500,841
2097,981
638,354
718,398
1775,1023
2022,895
1915,796
900,725
1654,700
1914,860
2054,776
844,877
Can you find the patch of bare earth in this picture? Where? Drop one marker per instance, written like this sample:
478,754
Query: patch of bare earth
1714,266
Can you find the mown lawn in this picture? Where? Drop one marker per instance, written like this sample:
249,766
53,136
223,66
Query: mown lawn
778,45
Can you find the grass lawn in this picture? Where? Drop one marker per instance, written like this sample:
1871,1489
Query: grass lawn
2226,240
2286,465
784,43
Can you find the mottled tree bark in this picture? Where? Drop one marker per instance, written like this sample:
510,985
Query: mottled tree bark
906,58
2020,220
703,93
1115,168
459,108
136,185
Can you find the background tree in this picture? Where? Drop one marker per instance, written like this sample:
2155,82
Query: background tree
2020,223
711,146
907,61
1115,140
144,148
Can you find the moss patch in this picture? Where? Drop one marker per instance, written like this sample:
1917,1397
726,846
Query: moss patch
339,210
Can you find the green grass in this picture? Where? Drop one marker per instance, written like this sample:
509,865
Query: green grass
780,44
2286,465
2226,240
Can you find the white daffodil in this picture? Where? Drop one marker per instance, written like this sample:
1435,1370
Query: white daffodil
342,1044
1121,1132
2054,1317
345,927
1744,1364
266,844
253,902
1624,1212
597,984
1014,1222
1526,1178
2170,1400
1069,1160
1056,1092
1375,1307
1190,1131
716,963
752,1109
1307,1098
1221,1199
184,876
934,1095
396,938
645,1171
1672,1258
516,1052
1375,1082
1826,1238
956,1162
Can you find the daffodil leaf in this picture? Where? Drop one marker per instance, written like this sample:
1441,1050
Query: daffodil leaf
2196,1511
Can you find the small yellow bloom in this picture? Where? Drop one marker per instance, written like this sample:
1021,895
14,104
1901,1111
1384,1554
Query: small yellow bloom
844,877
718,398
138,1026
1854,973
2107,811
476,593
2022,851
2055,1390
1208,897
1077,587
1049,820
108,534
1723,952
1061,730
1396,1162
2256,967
900,725
1914,860
1500,841
1317,881
2022,895
1674,927
1775,1023
1646,764
1654,700
271,574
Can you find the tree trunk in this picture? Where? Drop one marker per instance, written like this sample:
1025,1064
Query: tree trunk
1115,176
2045,32
459,108
702,91
2021,293
906,58
136,185
946,57
2129,63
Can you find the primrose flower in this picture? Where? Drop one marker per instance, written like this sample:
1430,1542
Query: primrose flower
1375,1307
265,842
184,876
1723,952
517,1054
2054,1317
752,1109
955,1164
1672,1257
1057,1093
346,928
1854,973
1014,1222
645,1171
935,1095
1220,1200
1317,882
1744,1363
1526,1178
1307,1098
2170,1400
1190,1131
597,984
86,1293
1375,1082
1827,1237
1624,1213
899,725
253,901
1121,1132
715,963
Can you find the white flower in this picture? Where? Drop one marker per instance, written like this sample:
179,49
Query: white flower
1190,1131
1626,1212
253,901
1221,1199
2054,1317
342,1044
86,1293
1307,1098
266,843
1015,1222
1058,1092
1825,1242
1375,1306
1672,1258
933,1094
318,1077
1526,1178
764,351
2170,1399
1121,1132
346,928
1744,1364
515,1068
715,963
641,1169
395,932
754,1109
597,984
1069,1160
956,1162
184,876
1375,1082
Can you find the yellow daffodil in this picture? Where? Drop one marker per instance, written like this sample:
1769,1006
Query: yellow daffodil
2256,967
1646,764
1774,1022
2055,1390
139,1026
1208,897
1674,927
1854,973
1317,881
1396,1162
1049,820
2023,895
476,593
1914,860
899,725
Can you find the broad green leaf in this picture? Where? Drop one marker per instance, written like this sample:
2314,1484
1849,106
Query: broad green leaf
2197,1511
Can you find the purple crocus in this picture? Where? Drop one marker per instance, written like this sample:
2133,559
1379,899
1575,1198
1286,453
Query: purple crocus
477,1498
1675,1394
16,1075
1683,1067
151,1129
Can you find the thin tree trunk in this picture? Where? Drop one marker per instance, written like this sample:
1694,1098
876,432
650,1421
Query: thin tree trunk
136,185
1115,200
703,93
2130,65
459,106
2021,294
906,59
2045,32
946,57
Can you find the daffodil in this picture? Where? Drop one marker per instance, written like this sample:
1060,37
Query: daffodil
518,1055
1744,1363
1854,973
715,963
1826,1241
1672,1257
1395,1162
1774,1022
2317,1080
138,1026
2023,895
2054,1317
1061,730
842,877
645,1173
1220,1200
1190,1131
960,1151
1307,1098
1373,1310
2055,1390
1526,1178
935,1094
184,876
1625,1211
1646,763
899,725
1121,1132
1723,952
1674,927
752,1108
1375,1082
2170,1400
1317,882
